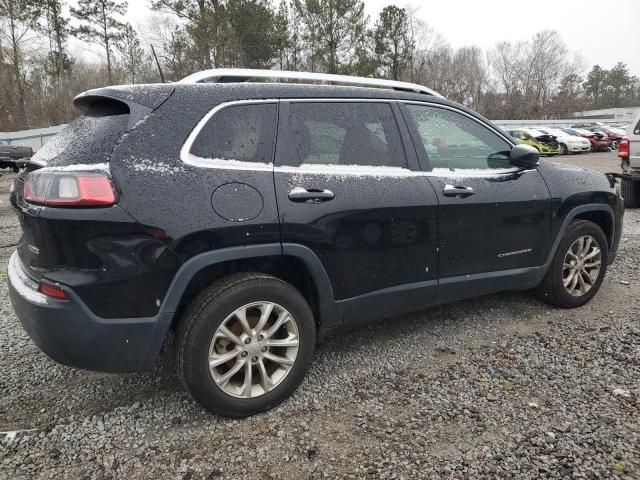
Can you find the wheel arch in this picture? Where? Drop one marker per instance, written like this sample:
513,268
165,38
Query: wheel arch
601,218
292,263
598,213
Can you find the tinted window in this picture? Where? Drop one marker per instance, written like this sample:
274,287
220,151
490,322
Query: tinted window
636,131
89,139
454,141
243,132
346,134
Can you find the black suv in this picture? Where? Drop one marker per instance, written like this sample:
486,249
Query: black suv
253,218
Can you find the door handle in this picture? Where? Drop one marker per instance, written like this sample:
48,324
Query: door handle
310,195
457,191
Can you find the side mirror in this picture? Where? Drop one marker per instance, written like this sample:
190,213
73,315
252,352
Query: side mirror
524,156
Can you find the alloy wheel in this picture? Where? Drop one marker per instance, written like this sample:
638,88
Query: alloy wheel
581,265
253,350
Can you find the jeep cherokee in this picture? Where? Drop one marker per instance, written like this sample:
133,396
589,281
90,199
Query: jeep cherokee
253,218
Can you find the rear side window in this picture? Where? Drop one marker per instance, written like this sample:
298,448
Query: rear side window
636,130
343,133
90,139
244,133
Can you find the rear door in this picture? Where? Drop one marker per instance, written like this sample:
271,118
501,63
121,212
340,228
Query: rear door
493,220
348,190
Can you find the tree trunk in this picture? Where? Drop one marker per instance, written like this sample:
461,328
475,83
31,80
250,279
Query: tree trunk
105,38
21,111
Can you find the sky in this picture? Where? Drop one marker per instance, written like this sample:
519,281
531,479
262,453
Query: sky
602,31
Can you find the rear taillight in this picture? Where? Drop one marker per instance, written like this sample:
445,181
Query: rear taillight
623,149
69,189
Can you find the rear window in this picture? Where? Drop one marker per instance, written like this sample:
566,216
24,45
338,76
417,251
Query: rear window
89,139
245,133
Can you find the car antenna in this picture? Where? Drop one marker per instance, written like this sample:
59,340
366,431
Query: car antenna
153,50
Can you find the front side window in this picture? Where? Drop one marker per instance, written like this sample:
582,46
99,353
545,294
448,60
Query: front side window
456,142
343,133
245,133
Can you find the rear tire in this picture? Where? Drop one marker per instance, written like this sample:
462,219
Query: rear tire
206,340
553,290
630,191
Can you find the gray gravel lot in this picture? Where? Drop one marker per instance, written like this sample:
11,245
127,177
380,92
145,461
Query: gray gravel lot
502,386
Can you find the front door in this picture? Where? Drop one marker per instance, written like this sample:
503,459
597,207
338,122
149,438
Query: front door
347,190
494,220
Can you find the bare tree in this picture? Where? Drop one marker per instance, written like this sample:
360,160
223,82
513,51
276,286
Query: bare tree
17,23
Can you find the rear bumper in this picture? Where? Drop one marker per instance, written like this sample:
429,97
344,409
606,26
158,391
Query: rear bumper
69,333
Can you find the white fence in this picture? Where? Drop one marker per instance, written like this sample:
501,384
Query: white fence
34,138
563,123
37,137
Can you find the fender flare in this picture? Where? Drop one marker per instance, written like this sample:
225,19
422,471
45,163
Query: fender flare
194,265
573,213
330,312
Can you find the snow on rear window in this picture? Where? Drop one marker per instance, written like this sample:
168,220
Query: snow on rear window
89,139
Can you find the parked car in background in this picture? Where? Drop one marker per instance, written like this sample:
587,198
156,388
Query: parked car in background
599,142
629,153
545,144
613,134
568,143
14,156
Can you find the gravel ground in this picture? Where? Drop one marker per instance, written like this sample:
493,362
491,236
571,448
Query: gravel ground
496,387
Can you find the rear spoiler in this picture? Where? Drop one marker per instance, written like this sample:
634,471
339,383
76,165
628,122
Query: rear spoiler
141,100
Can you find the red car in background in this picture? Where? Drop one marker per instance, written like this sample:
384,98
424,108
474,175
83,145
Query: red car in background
599,141
613,134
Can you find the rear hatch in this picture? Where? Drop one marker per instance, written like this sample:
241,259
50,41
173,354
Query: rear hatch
85,145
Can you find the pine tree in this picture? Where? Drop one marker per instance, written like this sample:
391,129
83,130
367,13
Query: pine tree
98,25
282,35
335,31
393,44
619,83
594,85
131,52
252,25
55,26
205,25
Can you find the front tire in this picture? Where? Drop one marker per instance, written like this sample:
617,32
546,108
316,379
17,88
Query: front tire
578,267
245,344
564,150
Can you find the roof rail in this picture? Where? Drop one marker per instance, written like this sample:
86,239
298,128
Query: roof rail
233,75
